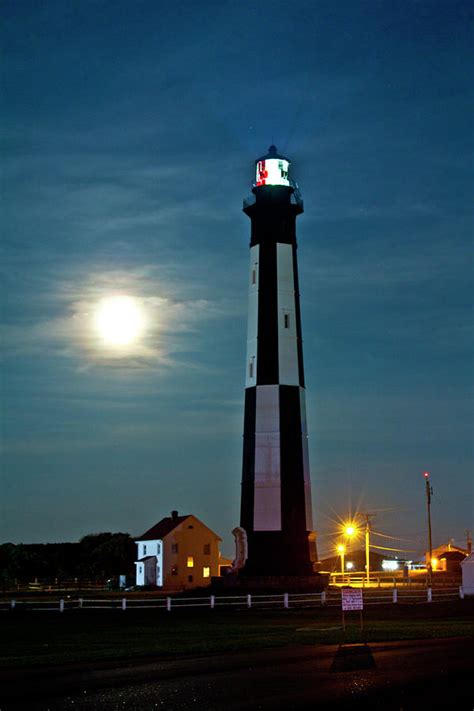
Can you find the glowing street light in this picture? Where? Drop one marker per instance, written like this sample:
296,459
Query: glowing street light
348,530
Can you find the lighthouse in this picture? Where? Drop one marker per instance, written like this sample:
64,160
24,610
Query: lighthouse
276,511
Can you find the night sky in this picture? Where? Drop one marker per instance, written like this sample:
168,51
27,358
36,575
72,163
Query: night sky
129,134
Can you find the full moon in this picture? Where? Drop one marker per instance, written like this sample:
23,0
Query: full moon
119,320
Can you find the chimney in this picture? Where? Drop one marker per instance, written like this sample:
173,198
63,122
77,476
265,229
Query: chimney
174,515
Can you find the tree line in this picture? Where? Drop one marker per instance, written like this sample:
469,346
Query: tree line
97,556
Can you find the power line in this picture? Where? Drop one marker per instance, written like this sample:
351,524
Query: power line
393,538
398,550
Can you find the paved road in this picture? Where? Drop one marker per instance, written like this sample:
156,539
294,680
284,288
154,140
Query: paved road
431,674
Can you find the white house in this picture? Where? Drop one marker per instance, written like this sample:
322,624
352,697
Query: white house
177,553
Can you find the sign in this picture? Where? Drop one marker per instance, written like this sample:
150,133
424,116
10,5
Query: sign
352,599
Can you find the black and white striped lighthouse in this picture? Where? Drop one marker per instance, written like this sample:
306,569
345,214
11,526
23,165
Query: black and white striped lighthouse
276,489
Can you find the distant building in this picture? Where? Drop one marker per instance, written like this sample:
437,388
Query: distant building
355,562
467,567
447,557
450,561
177,553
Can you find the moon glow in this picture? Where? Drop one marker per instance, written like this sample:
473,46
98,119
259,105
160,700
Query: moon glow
119,320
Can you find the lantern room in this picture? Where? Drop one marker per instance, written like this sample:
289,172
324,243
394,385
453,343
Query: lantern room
272,169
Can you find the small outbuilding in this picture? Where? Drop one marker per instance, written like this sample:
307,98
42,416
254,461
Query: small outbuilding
467,568
450,561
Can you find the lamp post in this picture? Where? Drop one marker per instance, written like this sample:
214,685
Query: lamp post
429,493
367,517
341,550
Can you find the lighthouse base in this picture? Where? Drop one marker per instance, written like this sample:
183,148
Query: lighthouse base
272,583
275,553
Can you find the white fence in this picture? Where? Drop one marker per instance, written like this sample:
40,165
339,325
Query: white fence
330,598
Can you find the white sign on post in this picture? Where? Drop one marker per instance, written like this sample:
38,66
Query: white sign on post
352,599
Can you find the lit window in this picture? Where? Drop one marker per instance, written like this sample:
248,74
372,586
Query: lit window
286,320
207,549
174,547
190,561
206,572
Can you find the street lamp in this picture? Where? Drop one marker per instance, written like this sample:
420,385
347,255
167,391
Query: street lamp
348,531
341,549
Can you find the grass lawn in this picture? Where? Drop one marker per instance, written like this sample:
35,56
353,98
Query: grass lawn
44,638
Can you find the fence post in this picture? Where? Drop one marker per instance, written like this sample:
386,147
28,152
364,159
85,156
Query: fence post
429,595
61,605
323,597
124,603
168,604
249,601
461,592
285,601
12,604
80,602
395,595
212,602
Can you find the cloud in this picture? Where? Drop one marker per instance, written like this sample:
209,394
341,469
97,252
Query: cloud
172,323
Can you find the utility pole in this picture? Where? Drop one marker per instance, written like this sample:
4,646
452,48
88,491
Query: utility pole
429,493
367,517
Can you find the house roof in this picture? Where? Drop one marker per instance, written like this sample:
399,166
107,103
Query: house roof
448,547
453,555
168,524
147,557
162,528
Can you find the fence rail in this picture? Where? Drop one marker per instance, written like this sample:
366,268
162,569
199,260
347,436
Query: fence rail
330,598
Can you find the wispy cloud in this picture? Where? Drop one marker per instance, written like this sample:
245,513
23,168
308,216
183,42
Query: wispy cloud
170,322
